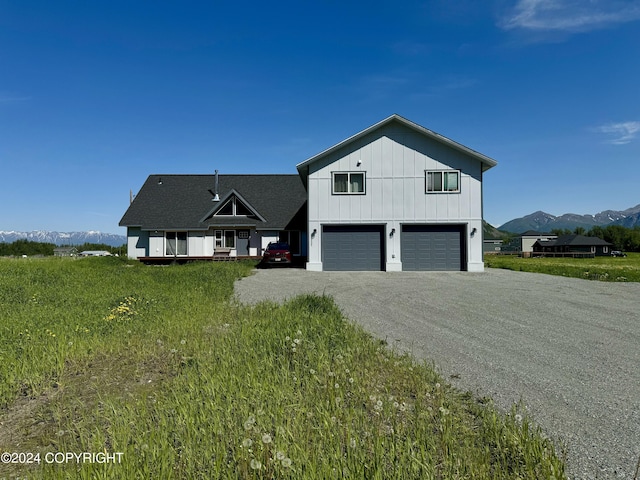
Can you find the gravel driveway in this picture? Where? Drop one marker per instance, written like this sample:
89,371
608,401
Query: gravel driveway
568,348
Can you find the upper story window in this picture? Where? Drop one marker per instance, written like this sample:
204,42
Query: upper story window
234,207
443,181
345,183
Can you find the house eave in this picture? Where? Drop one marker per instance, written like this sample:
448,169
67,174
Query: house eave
487,162
181,228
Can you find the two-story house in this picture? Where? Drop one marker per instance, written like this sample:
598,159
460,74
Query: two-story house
395,196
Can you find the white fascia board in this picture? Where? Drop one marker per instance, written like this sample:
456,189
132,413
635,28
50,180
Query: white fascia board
486,161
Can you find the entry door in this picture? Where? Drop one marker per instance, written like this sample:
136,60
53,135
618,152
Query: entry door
243,242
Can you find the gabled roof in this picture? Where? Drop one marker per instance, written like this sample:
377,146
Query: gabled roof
487,162
184,202
534,233
574,241
66,248
219,204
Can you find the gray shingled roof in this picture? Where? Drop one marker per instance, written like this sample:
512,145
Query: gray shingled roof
182,202
573,241
534,233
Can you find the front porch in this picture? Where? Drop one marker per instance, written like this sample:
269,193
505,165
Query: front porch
183,260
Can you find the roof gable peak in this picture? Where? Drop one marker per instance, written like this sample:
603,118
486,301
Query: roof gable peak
233,204
487,162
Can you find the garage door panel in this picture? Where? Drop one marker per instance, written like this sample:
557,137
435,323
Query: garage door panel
353,247
432,247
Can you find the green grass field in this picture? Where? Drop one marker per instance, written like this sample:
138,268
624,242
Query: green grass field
609,269
158,365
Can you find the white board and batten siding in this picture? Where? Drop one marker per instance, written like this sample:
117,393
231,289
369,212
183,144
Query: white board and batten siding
143,243
394,159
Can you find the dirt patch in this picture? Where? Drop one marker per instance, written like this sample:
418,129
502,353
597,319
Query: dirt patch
40,423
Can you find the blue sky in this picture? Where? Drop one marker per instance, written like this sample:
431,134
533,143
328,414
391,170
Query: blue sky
97,95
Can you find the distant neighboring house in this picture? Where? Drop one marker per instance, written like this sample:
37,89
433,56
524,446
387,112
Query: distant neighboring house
492,245
65,251
527,239
95,253
573,244
395,196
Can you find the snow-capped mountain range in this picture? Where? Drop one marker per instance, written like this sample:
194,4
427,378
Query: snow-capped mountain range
65,238
539,221
545,222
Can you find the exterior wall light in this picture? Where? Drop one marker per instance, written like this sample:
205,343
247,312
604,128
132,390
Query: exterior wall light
393,231
473,231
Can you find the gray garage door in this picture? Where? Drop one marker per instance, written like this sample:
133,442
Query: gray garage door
432,247
353,247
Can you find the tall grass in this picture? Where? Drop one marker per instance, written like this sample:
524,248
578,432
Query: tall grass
160,364
609,269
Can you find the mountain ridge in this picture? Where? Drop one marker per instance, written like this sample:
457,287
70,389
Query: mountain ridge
545,222
64,238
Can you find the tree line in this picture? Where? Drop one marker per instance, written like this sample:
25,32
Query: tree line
623,238
22,247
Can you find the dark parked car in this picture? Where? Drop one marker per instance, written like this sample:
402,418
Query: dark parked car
277,254
618,253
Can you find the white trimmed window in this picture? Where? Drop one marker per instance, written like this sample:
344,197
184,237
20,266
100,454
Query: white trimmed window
347,183
225,238
443,181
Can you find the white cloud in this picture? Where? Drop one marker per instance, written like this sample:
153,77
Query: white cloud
570,15
9,98
622,133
